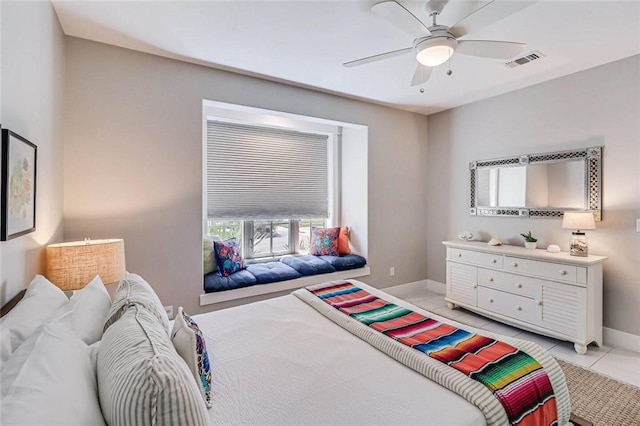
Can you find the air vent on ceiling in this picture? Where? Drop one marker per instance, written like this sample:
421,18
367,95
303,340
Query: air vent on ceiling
525,59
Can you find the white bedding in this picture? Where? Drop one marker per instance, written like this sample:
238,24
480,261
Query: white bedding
298,367
280,362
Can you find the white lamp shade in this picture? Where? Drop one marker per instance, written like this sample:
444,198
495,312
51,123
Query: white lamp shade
578,220
72,265
435,51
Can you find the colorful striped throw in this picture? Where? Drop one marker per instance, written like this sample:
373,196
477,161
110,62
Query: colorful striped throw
516,380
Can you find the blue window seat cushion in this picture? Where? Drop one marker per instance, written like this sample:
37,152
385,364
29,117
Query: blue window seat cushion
272,271
344,263
265,271
308,265
214,281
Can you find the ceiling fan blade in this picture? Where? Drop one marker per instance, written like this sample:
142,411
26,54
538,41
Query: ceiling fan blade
484,16
455,11
490,48
421,75
401,17
378,57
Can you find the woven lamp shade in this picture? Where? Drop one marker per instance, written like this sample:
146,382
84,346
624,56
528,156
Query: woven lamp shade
73,265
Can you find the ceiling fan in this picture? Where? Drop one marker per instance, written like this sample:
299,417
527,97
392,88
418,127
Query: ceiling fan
435,44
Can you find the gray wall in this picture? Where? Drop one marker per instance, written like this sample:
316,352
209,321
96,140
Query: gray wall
32,104
600,106
133,155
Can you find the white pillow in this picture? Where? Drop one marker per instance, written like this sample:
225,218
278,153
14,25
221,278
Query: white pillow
90,307
209,263
50,380
142,378
41,300
134,290
189,342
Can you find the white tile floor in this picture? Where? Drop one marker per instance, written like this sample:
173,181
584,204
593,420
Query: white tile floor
617,363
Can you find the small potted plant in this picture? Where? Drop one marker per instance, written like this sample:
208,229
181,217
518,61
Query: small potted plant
529,241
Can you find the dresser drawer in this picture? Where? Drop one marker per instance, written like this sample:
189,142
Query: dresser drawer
511,305
554,271
517,284
477,258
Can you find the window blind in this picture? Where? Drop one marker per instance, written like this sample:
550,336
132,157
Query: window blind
256,172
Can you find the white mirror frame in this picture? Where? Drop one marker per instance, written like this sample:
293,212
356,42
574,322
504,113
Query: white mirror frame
592,158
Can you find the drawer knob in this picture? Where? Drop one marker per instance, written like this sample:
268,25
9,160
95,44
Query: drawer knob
563,272
514,264
491,300
539,302
475,286
494,261
459,254
519,285
491,279
519,308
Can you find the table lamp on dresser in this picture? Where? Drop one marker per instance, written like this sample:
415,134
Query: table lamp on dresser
578,221
73,265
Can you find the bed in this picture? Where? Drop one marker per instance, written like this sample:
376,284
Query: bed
288,361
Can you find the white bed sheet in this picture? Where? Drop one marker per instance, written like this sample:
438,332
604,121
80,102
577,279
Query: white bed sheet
280,362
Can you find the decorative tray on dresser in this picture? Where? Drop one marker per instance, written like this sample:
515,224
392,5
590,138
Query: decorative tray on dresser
554,294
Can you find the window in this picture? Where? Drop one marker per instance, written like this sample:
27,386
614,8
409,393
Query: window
267,186
267,238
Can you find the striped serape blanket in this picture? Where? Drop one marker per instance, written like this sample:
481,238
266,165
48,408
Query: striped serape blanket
516,380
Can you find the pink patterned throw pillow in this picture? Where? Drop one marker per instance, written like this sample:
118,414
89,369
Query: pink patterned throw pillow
228,257
324,241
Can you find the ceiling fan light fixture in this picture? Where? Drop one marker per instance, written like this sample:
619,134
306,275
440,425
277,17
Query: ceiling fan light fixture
435,51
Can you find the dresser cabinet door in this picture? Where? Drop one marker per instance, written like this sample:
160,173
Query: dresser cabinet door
562,308
462,283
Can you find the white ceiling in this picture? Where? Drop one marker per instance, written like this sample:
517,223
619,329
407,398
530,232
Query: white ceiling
305,42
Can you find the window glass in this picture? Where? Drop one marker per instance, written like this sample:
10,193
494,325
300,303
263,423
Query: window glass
267,238
304,233
226,229
271,238
280,237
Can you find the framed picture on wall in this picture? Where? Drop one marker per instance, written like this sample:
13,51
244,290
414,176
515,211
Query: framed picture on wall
18,191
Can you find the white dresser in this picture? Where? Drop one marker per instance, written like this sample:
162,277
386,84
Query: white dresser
555,294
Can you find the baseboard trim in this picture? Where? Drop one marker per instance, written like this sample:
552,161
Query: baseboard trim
621,339
421,283
437,287
431,285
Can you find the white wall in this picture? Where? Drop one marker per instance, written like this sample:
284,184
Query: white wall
600,106
32,104
133,155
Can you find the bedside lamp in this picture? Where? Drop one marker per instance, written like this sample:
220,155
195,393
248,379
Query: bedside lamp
578,221
73,265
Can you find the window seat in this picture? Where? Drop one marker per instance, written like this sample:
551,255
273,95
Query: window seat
288,273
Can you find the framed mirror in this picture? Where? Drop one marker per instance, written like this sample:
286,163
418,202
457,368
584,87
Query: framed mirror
538,185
